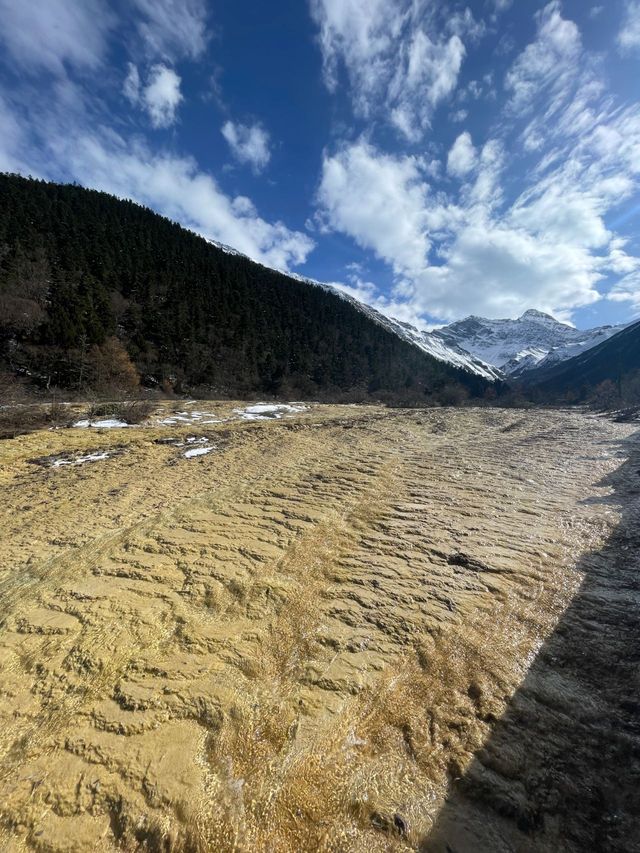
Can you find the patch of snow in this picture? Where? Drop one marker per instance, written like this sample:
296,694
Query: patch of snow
228,250
108,423
268,411
81,460
190,417
197,451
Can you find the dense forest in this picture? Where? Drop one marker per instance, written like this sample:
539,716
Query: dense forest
97,292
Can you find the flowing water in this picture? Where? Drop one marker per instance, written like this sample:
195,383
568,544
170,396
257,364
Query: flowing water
348,629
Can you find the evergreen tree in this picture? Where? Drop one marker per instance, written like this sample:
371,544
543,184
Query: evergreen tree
81,270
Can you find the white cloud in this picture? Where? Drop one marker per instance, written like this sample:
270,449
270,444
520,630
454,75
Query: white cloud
629,35
495,269
627,288
427,74
176,187
367,293
393,57
547,65
361,34
462,156
160,97
51,34
12,140
487,191
47,141
248,143
380,201
171,29
131,87
463,24
469,251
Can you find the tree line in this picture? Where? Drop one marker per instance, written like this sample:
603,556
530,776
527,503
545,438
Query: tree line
97,292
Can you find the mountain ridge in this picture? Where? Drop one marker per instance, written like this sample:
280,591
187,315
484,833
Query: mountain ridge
614,361
88,280
514,347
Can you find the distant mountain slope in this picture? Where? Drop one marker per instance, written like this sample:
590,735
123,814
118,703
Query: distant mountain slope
80,268
515,346
424,341
450,353
616,359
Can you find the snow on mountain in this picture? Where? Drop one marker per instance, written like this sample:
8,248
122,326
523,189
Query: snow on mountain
492,349
436,348
228,250
516,346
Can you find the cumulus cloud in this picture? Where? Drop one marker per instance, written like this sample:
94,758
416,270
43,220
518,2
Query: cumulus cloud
629,35
395,59
462,156
160,97
468,249
248,143
52,34
171,29
379,200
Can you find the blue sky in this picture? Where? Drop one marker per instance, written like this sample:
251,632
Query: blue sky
434,159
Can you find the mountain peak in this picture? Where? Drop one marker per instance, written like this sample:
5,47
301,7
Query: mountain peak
539,316
514,346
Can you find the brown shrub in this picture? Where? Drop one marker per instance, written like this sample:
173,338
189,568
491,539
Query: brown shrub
111,370
129,411
21,419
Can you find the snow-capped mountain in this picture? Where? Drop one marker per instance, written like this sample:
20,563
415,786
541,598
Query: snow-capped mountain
493,349
450,353
515,346
433,346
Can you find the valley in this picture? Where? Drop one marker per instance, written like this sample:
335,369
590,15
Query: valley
321,627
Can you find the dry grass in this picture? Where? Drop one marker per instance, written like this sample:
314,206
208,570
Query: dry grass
24,419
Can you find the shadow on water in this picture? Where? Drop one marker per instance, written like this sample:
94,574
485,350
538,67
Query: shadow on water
560,770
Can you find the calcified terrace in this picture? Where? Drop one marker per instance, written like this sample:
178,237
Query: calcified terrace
346,629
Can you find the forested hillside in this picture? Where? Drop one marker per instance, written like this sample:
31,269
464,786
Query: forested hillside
96,291
607,375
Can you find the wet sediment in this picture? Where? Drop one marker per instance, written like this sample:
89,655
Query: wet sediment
356,629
